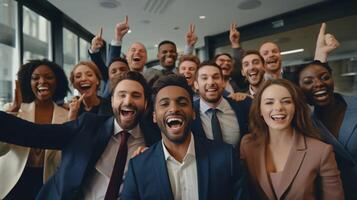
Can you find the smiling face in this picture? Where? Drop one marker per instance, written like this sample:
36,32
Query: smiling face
137,57
117,68
317,84
277,107
128,103
174,113
43,83
271,54
253,69
210,83
167,55
188,70
85,80
226,64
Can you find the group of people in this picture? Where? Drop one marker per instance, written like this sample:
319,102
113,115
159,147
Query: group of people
229,128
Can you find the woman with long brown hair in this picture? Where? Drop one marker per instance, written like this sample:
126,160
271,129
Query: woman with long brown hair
284,156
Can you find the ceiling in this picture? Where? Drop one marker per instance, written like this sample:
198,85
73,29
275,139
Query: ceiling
152,21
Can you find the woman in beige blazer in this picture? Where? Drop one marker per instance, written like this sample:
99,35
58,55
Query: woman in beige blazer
284,156
23,170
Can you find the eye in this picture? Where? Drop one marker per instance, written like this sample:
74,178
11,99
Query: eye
35,78
307,81
164,103
268,102
287,101
325,77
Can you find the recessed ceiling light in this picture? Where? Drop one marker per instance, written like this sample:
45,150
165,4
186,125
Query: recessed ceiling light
109,3
176,28
292,51
5,4
249,4
129,31
202,17
156,45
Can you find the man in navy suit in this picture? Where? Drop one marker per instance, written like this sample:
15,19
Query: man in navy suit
182,166
231,116
90,143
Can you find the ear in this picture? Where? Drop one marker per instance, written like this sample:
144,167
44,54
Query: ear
242,72
195,84
154,117
194,115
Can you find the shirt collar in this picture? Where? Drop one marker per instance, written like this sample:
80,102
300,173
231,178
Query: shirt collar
251,91
135,132
190,150
222,106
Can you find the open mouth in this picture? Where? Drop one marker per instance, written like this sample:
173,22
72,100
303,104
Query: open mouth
279,117
136,59
43,90
253,75
169,60
85,86
127,112
321,95
174,122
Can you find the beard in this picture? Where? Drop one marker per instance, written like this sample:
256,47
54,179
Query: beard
128,125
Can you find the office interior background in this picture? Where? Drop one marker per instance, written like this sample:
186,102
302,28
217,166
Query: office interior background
61,30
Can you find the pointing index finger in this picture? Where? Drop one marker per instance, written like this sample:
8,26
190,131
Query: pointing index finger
126,19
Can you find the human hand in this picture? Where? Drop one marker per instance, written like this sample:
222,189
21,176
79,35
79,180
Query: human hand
234,36
97,41
325,44
74,106
191,37
239,96
139,151
121,29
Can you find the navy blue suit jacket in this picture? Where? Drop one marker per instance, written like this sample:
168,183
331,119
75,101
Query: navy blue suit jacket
240,108
82,142
219,174
114,52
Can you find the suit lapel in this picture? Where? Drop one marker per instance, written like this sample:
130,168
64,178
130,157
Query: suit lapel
197,128
161,172
202,160
349,123
293,163
260,169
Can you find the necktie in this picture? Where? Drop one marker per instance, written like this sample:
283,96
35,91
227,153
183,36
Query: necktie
118,170
216,127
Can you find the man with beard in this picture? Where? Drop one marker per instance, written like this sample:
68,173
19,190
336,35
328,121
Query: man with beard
95,149
182,166
167,55
253,70
218,118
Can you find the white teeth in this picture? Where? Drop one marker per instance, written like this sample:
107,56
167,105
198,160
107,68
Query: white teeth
278,117
211,90
42,88
320,92
174,119
85,85
127,109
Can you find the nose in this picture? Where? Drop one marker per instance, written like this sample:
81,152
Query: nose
42,80
127,100
278,106
173,107
210,80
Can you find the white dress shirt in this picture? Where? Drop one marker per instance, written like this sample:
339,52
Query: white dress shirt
227,119
183,176
97,185
229,87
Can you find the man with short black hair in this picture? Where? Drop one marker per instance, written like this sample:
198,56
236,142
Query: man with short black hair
182,166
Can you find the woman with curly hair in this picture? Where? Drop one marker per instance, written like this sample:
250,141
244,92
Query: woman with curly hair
284,156
24,170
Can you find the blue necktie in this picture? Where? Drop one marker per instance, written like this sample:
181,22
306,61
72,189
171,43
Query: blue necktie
216,127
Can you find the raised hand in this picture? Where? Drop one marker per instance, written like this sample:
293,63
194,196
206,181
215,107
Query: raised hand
97,41
16,103
325,44
239,96
234,36
74,106
191,37
121,29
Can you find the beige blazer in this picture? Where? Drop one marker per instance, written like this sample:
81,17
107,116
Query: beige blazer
311,165
13,158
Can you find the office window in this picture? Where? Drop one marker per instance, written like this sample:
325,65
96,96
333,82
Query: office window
36,36
83,49
9,51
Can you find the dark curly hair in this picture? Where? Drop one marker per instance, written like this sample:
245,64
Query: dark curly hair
24,76
171,80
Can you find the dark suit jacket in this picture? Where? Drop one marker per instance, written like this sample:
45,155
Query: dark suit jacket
114,52
240,108
82,142
219,174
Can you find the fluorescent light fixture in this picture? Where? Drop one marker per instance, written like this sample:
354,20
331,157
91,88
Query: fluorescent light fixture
292,51
349,74
202,17
5,4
